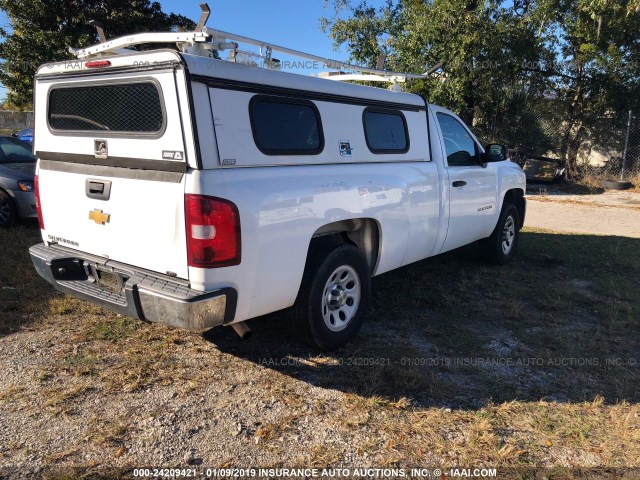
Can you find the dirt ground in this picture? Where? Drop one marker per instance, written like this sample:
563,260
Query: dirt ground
609,213
529,366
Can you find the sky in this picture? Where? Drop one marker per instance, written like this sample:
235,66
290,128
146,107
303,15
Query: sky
289,23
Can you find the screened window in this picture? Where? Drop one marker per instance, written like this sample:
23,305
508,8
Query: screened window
127,108
286,127
386,132
458,144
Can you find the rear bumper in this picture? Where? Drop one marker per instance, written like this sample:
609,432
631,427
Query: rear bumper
136,293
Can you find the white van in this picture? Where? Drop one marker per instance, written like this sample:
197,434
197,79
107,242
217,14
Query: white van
197,192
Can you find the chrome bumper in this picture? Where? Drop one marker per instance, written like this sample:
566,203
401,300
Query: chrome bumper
133,292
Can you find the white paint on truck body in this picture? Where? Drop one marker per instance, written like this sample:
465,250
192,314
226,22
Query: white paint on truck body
146,226
282,200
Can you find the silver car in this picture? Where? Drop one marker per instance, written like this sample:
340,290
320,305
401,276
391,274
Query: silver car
17,171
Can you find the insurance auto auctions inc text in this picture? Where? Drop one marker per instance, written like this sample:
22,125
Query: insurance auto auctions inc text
351,473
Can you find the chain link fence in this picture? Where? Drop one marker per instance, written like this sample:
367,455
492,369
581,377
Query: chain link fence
631,156
552,143
614,154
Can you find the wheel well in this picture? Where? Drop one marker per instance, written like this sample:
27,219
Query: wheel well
516,197
363,233
6,192
12,204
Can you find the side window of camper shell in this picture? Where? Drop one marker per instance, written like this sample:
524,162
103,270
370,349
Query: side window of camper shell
286,126
385,130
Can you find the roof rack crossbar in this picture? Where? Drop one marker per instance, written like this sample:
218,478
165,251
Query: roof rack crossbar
221,36
140,38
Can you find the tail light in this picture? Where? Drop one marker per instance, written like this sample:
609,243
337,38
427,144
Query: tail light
36,187
213,232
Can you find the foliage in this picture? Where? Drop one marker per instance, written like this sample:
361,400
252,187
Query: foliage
597,69
43,30
481,44
507,64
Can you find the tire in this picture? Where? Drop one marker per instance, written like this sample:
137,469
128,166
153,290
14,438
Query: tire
333,298
616,185
8,213
499,247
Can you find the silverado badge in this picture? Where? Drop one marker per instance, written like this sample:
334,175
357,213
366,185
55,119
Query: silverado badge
99,217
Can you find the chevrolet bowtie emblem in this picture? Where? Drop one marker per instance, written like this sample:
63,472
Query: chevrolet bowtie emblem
99,217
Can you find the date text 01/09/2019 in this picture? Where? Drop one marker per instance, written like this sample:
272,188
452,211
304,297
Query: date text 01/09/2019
284,473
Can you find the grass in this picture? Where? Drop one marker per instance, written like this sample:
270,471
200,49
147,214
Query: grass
592,182
22,292
459,364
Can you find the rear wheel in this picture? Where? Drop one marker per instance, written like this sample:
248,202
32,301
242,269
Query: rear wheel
499,247
8,212
333,298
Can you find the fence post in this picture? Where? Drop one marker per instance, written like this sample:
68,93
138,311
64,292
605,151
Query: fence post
626,145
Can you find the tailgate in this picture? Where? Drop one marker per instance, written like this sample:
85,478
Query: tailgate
112,153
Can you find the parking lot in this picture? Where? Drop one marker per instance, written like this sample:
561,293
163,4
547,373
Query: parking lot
458,364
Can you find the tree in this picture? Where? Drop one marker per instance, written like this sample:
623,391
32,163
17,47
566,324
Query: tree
511,69
43,30
481,43
597,69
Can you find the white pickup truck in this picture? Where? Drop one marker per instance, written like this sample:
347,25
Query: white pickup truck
197,192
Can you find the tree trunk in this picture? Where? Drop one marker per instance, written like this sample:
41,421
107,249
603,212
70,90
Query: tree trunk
468,113
573,172
573,114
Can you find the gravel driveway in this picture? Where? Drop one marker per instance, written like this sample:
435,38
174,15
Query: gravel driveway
610,213
84,391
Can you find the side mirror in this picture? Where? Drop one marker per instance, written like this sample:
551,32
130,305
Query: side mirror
495,152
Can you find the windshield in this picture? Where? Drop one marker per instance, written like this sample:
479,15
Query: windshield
13,150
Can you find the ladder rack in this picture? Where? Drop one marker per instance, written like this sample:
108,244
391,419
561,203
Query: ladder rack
204,40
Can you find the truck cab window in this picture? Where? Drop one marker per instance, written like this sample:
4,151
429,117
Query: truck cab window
459,146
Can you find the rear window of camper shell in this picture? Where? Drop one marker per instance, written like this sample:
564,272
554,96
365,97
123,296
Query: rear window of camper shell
133,108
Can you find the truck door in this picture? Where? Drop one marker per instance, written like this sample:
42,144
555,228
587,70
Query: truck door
472,187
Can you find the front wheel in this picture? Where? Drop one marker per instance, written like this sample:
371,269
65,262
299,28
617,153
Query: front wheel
333,298
500,246
8,214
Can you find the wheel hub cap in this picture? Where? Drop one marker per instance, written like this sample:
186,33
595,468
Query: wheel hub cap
508,235
337,297
341,298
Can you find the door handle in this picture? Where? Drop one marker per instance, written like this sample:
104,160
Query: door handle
97,189
459,183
